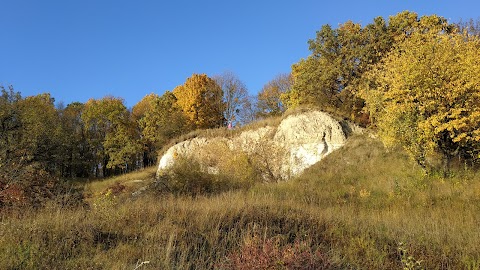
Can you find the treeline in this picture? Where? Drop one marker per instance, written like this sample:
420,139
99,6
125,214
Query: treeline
416,80
42,144
102,137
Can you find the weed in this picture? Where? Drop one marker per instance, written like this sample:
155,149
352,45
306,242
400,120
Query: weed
408,261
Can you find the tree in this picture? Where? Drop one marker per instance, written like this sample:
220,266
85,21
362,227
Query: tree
248,113
139,112
235,96
425,95
145,105
269,101
40,131
10,125
471,27
159,120
331,76
29,149
404,24
75,149
111,135
201,100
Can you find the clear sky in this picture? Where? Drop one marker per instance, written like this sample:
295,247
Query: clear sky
81,49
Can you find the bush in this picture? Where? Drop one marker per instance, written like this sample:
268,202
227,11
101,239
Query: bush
115,189
207,172
186,177
32,186
236,167
270,254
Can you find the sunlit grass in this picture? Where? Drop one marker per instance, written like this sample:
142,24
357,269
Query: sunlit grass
132,182
360,208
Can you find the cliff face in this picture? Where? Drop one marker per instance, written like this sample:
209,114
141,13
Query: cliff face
285,151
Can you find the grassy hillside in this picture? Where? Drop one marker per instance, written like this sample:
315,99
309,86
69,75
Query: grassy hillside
360,208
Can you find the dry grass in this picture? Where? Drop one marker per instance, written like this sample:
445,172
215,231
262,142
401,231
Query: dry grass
132,182
361,208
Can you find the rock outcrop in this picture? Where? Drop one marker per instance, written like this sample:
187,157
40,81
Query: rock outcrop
285,151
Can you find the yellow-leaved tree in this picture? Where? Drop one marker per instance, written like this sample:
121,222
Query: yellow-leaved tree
425,96
111,135
201,100
159,120
269,102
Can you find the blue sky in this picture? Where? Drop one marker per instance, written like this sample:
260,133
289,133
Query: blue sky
84,49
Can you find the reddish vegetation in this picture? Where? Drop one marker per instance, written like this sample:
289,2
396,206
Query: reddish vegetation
114,189
11,194
270,254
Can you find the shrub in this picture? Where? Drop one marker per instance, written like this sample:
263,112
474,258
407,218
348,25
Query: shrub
208,172
270,254
115,189
235,166
186,177
31,186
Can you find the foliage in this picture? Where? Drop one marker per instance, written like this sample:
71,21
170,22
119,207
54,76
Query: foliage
235,96
25,186
419,78
235,166
159,120
201,100
217,173
471,27
10,125
269,101
186,177
248,113
30,150
39,140
408,262
74,153
425,96
110,133
329,76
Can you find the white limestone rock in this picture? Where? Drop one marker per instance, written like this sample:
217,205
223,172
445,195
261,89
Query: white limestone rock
299,141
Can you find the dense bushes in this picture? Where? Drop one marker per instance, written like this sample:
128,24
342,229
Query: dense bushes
32,186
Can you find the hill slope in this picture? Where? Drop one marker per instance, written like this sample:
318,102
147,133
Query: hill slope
361,207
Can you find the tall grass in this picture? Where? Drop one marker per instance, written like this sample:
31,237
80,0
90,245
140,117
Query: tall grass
362,207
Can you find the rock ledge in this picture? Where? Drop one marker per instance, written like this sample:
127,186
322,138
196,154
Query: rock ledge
298,142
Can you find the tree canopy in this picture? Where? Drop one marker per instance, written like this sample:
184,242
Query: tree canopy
235,96
201,100
425,95
110,134
161,121
417,78
269,102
